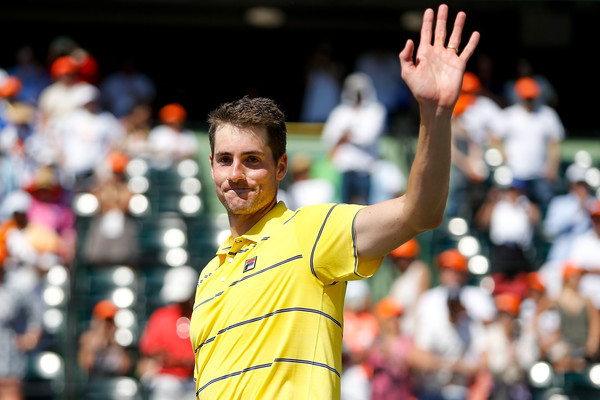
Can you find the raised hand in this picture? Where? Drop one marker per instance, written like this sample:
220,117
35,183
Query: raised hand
434,76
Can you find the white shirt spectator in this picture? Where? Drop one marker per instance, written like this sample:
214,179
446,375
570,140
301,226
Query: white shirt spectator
526,136
168,145
362,119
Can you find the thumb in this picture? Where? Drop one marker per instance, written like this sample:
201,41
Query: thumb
406,55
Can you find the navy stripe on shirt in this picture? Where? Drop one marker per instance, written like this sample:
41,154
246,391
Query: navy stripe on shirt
267,365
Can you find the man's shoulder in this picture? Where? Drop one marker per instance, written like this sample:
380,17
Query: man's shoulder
325,210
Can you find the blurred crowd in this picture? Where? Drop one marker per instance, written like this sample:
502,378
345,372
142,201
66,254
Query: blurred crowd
466,319
450,324
67,129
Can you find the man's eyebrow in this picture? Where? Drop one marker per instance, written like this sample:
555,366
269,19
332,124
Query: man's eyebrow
245,153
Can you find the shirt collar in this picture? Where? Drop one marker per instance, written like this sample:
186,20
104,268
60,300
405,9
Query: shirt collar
261,229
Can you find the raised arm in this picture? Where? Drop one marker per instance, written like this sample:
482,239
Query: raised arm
434,77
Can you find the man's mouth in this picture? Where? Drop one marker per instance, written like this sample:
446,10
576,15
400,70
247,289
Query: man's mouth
239,190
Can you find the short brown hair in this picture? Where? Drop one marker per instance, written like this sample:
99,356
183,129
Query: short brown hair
252,112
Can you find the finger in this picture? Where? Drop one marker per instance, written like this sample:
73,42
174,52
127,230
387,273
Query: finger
406,55
456,35
426,28
440,26
470,47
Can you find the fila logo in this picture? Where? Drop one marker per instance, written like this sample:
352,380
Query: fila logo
250,264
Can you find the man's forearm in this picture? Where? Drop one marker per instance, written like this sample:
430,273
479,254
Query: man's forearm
428,182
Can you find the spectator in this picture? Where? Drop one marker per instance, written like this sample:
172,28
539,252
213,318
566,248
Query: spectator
306,189
322,85
352,132
453,272
512,220
390,356
530,135
413,278
360,330
474,116
510,350
585,252
13,216
381,65
170,141
86,137
123,90
567,218
534,314
137,125
16,129
100,355
89,71
60,97
166,365
576,341
32,74
525,69
51,208
387,181
449,350
15,343
567,215
113,234
28,248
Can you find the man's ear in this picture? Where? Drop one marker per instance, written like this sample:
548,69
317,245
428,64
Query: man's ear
282,167
210,160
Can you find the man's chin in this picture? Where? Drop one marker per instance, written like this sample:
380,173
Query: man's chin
238,205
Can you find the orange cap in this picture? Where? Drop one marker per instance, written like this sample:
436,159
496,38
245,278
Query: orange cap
471,83
535,282
570,269
527,88
452,259
387,307
172,113
105,309
10,87
118,161
465,100
65,65
508,302
409,249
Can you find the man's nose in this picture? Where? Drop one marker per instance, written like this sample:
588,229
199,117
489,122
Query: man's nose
237,171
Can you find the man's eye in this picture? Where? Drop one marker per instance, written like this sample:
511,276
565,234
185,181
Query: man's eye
224,160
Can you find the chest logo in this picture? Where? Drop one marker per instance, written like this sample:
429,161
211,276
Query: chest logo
250,264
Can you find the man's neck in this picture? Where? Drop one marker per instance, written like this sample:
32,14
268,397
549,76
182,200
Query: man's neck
241,223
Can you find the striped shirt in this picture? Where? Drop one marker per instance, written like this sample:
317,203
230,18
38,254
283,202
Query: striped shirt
267,320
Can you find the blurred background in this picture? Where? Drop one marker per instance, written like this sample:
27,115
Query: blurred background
197,55
206,52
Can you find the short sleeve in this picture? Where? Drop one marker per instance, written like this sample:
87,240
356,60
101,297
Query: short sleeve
327,237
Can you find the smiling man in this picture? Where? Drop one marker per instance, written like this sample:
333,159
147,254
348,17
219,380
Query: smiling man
267,320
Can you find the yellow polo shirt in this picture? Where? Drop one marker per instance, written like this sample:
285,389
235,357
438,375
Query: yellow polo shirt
267,320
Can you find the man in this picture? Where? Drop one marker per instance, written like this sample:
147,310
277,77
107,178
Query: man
530,134
449,351
352,132
585,252
166,364
453,272
267,321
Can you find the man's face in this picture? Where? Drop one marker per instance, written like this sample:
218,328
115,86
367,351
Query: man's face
245,174
451,277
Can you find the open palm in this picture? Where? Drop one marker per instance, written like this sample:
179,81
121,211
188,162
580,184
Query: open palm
434,76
